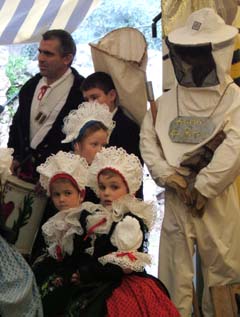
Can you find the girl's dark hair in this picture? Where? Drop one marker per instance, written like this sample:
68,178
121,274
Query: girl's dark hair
108,172
88,129
64,180
111,173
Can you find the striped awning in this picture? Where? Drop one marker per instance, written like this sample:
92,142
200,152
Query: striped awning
24,21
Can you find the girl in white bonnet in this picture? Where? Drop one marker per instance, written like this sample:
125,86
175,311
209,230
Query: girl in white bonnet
88,129
64,177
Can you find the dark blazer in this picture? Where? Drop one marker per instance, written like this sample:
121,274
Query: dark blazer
20,129
125,134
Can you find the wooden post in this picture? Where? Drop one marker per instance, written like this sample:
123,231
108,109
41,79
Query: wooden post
150,97
224,301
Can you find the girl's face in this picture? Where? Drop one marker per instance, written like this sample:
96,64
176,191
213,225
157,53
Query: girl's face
111,188
64,195
91,144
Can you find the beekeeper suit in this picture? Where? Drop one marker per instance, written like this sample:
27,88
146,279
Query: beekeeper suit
202,209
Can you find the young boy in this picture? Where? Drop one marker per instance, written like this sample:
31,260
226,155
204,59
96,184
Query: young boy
100,86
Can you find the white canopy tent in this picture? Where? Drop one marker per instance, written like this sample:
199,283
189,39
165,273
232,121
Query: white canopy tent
24,21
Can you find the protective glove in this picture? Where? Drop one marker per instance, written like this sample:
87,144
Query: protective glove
198,202
187,193
180,185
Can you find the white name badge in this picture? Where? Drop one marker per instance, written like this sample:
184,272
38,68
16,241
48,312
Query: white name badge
190,129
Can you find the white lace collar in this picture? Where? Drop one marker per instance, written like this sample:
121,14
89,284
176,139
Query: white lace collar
59,231
144,210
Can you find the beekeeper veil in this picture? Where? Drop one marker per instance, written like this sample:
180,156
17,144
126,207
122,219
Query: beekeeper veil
201,51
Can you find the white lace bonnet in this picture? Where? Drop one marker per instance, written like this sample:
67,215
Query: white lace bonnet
66,163
86,112
116,159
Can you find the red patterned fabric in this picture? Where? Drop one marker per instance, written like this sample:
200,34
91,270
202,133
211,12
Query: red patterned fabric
140,297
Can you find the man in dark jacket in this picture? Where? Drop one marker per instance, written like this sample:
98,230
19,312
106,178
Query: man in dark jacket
36,130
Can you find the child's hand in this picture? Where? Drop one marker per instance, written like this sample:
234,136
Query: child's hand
15,167
127,271
39,190
75,279
58,281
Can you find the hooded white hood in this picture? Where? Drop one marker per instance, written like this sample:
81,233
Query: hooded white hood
204,33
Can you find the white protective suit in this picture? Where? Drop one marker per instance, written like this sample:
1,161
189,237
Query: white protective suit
217,233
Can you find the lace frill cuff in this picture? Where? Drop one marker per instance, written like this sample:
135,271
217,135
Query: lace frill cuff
133,260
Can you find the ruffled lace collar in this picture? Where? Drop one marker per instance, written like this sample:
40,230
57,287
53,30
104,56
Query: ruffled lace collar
59,231
146,211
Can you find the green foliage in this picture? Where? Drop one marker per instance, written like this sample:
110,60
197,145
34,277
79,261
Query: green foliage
24,214
48,285
15,71
113,14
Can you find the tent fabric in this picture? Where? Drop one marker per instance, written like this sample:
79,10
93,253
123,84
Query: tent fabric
122,54
175,13
23,21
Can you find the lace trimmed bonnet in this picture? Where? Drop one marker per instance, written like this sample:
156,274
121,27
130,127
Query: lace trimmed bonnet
76,121
116,159
64,163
